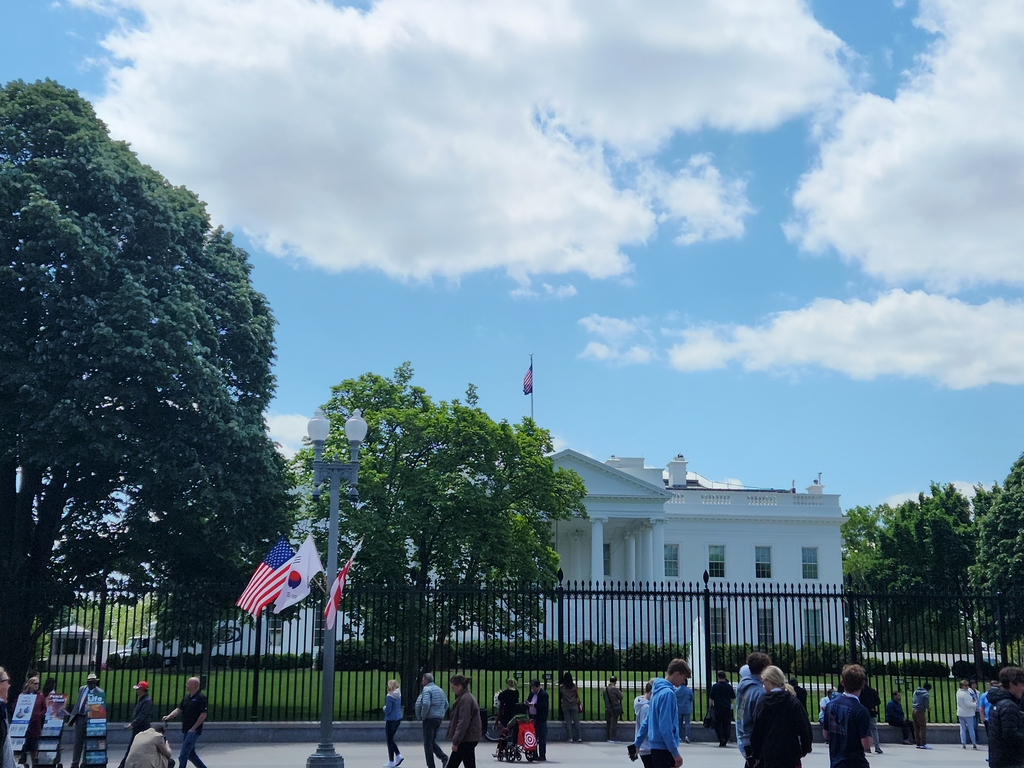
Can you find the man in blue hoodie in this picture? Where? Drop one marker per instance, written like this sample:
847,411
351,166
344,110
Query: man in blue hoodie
661,726
748,693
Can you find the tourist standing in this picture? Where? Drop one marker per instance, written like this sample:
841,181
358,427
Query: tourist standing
464,727
431,706
920,703
1006,735
684,702
800,692
720,698
192,709
572,707
895,717
985,705
750,690
847,723
830,693
537,707
641,705
782,733
30,749
6,748
966,709
392,719
661,725
141,715
507,701
612,710
872,701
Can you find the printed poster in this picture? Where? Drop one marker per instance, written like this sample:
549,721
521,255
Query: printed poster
96,712
19,723
53,721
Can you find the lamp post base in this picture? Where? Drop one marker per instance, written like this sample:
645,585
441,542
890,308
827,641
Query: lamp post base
325,757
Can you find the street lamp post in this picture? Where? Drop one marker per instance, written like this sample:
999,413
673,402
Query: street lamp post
335,473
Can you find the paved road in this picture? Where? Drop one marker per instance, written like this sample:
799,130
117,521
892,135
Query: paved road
589,755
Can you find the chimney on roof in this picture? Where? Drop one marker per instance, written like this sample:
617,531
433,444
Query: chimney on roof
677,472
816,487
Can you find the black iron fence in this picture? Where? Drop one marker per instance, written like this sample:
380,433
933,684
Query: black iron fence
269,668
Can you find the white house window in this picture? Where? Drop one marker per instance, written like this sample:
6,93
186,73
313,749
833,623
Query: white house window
607,559
765,627
672,560
275,630
719,625
812,626
716,561
810,562
762,562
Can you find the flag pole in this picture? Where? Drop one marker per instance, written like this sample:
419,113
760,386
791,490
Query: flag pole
531,388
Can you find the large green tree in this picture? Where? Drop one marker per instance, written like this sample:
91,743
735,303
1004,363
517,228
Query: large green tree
449,498
135,365
1000,563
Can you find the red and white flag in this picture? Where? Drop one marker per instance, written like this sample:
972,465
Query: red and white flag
334,603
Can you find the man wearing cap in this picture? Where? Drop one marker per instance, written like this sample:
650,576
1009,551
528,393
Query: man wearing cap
140,716
79,715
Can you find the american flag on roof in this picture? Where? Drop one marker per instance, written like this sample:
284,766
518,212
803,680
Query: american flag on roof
528,381
268,581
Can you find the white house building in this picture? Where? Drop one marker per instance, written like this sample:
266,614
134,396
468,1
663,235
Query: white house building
650,525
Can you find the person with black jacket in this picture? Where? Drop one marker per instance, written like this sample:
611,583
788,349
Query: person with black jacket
782,733
872,701
537,702
6,750
721,697
141,715
1006,733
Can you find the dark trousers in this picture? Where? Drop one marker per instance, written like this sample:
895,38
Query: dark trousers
920,727
662,758
611,725
80,723
465,755
390,729
542,738
905,726
430,748
646,760
723,728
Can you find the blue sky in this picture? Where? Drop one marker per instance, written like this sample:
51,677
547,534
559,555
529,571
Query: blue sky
781,238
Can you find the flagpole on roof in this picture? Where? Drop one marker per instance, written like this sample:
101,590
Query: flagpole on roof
531,388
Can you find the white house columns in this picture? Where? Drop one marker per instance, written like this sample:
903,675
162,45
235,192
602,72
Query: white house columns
647,556
658,548
597,549
630,558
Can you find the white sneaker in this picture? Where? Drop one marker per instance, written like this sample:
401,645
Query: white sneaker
398,761
388,764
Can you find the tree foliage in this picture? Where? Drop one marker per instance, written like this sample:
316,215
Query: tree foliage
1000,563
135,365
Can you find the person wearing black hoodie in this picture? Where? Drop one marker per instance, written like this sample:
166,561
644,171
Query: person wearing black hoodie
1006,734
782,732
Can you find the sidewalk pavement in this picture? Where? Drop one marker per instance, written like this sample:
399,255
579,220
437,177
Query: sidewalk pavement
589,754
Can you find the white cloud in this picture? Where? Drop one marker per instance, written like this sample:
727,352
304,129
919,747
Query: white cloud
621,342
547,291
425,138
930,186
287,430
903,334
708,207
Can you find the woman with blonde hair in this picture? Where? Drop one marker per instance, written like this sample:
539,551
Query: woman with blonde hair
782,732
966,709
508,700
30,751
393,719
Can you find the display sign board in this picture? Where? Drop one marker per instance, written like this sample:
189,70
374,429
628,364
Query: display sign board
19,723
96,727
53,724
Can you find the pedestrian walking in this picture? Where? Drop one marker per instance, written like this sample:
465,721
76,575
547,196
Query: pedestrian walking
966,710
872,701
985,705
149,749
920,703
431,706
537,707
141,715
684,702
612,710
750,690
641,705
79,716
392,719
847,723
192,709
661,724
782,733
720,699
572,707
1006,742
464,727
895,717
6,748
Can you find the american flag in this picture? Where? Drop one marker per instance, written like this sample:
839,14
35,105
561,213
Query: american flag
334,602
266,584
528,381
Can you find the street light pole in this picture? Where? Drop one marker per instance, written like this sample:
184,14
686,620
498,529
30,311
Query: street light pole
333,472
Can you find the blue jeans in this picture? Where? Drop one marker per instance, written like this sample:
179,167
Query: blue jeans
188,750
684,726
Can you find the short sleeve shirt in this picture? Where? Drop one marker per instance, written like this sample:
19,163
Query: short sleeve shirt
847,722
191,708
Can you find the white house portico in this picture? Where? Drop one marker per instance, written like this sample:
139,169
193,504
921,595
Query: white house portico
649,524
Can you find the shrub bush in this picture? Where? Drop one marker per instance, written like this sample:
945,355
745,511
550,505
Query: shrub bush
965,670
114,662
820,659
918,668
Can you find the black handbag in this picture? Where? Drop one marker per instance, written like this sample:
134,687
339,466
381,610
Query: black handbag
709,718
